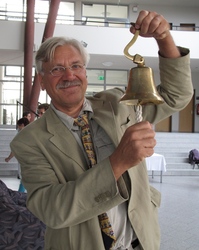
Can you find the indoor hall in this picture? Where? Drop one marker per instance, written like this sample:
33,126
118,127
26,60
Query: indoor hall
109,68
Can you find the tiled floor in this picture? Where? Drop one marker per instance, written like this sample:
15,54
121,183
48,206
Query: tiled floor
178,214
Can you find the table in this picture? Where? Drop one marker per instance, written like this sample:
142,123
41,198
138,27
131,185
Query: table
156,162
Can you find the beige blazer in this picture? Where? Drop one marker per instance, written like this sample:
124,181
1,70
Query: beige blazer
66,196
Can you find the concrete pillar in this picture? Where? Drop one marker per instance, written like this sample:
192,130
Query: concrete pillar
48,32
28,52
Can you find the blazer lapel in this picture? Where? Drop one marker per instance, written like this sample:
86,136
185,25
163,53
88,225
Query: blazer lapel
104,116
63,139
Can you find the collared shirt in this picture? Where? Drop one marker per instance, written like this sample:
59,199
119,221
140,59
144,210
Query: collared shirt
103,148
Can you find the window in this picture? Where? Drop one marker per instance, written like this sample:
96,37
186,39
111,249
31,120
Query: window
11,91
66,13
99,80
95,76
12,71
11,10
41,11
16,11
105,15
116,78
117,11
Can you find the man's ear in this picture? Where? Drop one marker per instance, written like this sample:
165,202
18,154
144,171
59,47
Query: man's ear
40,77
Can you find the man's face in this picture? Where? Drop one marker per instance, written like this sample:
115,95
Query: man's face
40,112
66,91
28,117
20,127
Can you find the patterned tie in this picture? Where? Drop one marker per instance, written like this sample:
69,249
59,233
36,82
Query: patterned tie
107,231
82,122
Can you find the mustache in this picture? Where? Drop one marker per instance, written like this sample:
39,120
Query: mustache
66,84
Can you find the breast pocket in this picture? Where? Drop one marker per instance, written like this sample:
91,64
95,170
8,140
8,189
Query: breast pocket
104,147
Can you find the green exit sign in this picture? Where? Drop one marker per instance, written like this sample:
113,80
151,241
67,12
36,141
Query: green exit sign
101,78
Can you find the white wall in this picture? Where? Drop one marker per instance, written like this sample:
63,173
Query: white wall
111,41
12,35
101,40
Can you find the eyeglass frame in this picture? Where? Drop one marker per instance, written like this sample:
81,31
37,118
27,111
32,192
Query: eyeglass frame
81,66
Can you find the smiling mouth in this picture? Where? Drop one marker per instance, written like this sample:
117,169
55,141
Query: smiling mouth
67,85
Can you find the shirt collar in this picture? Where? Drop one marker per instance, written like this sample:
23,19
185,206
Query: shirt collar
68,120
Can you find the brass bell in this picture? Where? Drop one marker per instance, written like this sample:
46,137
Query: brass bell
141,89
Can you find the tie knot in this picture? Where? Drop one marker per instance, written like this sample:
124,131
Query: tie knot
81,120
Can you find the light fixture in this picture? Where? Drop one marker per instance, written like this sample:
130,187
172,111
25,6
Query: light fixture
107,64
84,44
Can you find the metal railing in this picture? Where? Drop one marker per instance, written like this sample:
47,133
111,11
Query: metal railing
68,19
21,105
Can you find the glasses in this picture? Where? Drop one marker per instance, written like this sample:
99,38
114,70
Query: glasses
60,70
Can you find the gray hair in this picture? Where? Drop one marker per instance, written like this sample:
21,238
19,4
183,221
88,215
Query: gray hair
47,49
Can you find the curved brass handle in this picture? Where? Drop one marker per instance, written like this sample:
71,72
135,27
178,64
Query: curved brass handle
136,58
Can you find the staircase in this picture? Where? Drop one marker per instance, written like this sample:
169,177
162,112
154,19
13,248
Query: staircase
7,133
175,147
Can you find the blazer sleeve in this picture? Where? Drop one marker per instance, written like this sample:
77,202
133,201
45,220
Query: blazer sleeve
175,87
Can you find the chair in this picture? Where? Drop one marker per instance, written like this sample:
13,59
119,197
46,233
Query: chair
19,228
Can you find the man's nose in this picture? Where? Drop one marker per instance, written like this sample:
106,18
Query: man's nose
68,73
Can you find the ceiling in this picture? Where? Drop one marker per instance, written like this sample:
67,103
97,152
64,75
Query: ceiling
119,62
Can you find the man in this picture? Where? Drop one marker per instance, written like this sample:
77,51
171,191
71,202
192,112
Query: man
21,123
27,114
63,191
42,109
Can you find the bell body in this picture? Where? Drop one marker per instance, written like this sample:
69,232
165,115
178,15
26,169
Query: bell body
141,89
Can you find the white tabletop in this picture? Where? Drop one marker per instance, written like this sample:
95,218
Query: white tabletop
156,162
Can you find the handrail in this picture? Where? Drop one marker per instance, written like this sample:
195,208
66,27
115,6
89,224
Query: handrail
5,14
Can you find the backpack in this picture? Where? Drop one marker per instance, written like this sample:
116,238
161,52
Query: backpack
194,156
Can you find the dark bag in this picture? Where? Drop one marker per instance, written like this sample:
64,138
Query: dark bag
194,156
